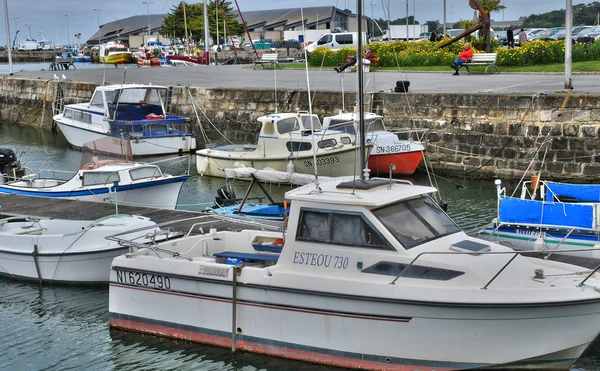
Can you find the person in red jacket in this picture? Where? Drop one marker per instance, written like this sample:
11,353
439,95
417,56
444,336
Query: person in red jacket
463,56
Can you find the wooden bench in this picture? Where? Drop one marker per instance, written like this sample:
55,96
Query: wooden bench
270,58
483,59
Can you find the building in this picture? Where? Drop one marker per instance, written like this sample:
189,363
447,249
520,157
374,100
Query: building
262,24
273,23
132,31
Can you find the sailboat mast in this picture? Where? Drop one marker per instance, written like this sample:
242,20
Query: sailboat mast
187,44
361,106
206,34
8,41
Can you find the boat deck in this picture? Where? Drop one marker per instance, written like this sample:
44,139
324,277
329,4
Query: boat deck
180,220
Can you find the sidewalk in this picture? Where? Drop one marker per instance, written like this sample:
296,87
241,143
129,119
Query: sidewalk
238,76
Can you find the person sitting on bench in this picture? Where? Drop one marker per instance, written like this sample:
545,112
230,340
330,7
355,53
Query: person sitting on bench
463,57
366,60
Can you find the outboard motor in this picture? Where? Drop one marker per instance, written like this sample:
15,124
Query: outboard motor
9,165
225,196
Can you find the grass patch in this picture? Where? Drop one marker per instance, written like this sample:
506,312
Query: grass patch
587,66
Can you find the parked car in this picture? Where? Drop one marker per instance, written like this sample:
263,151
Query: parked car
501,35
588,35
560,35
552,31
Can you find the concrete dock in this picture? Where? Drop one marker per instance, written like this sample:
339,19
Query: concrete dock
244,76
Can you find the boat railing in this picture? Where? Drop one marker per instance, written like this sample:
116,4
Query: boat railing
514,255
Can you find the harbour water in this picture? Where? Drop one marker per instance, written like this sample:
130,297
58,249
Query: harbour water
59,328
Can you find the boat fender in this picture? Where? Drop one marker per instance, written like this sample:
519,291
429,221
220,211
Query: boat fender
290,167
539,244
203,166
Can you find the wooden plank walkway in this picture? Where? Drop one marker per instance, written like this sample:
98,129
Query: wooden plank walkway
180,220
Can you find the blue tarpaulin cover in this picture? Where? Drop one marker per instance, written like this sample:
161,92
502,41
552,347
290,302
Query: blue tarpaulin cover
570,215
579,192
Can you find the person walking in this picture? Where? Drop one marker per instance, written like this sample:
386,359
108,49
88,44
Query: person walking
510,37
463,56
522,37
433,37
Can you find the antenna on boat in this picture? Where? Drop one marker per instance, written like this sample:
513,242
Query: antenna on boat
124,76
312,131
276,103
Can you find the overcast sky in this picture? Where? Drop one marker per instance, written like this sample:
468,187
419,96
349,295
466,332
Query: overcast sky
49,16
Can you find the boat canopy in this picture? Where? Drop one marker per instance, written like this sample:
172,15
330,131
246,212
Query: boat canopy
574,192
537,213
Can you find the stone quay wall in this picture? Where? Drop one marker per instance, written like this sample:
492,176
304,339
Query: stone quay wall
473,135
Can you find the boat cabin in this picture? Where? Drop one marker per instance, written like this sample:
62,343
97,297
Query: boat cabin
348,122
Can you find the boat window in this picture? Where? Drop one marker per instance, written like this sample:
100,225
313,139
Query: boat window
111,96
154,96
374,124
415,271
343,126
68,114
97,100
351,229
97,177
132,96
298,146
287,125
414,222
82,117
307,122
346,140
327,143
144,173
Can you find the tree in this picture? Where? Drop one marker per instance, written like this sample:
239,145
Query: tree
173,24
489,6
433,25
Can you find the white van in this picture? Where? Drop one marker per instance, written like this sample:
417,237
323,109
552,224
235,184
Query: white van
335,41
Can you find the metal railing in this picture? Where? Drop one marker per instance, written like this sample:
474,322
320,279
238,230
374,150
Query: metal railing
513,253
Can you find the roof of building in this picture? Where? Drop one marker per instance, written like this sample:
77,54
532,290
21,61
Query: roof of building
135,25
290,17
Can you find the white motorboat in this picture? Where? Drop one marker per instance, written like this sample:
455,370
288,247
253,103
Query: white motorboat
131,111
389,153
370,274
114,181
66,251
287,142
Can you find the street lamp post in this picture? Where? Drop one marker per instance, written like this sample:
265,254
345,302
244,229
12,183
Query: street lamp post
148,8
29,27
98,10
68,33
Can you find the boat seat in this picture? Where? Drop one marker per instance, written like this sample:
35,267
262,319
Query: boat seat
246,257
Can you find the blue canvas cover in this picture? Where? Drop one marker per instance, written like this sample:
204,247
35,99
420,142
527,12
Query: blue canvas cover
579,192
569,215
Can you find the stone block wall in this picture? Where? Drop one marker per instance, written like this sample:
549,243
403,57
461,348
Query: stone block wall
477,135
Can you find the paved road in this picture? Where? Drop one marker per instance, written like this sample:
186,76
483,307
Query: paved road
242,76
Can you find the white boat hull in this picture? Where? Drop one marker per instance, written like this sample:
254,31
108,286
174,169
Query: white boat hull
161,193
331,329
66,251
329,163
77,137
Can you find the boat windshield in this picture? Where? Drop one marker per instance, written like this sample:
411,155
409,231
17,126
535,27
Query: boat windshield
142,95
315,125
414,222
375,124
